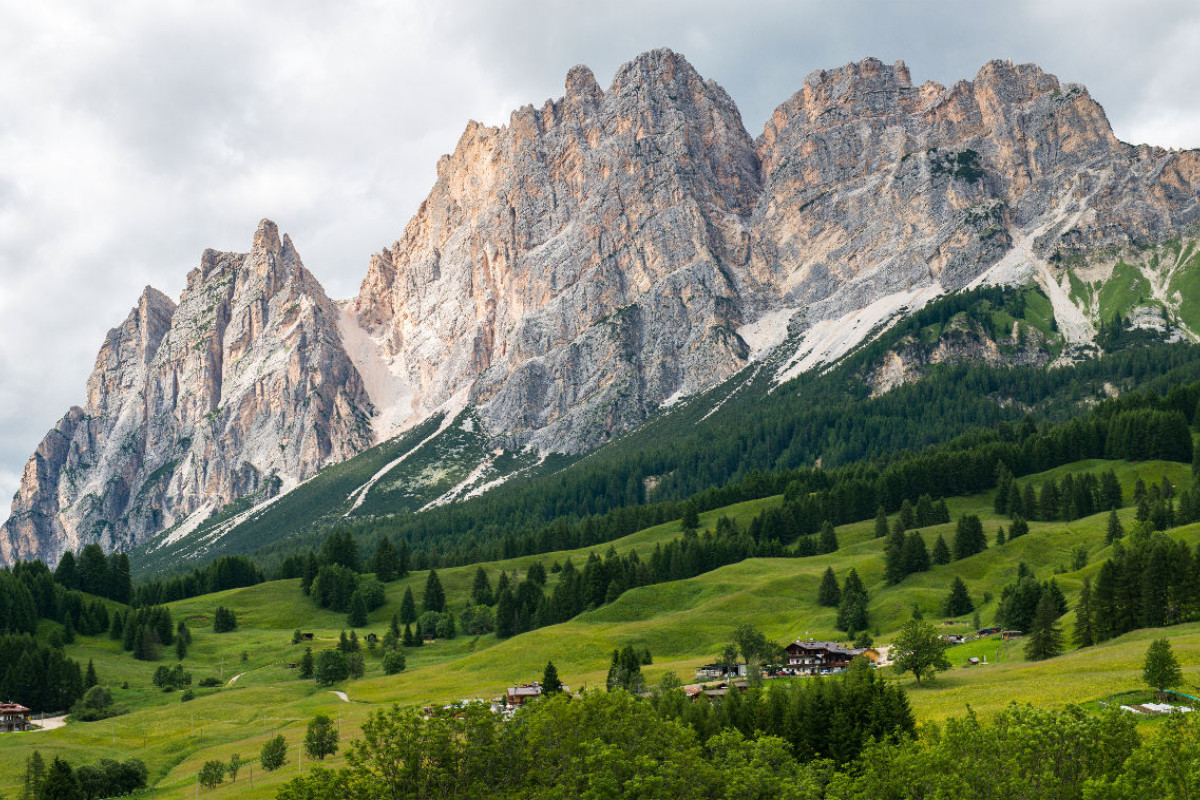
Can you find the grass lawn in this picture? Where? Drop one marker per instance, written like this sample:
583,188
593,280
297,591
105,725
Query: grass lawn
683,623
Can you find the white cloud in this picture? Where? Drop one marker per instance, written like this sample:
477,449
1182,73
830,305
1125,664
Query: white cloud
137,133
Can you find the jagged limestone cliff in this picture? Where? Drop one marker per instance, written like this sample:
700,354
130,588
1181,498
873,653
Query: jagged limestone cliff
243,388
593,261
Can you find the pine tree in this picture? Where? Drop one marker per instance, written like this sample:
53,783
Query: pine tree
1014,505
550,682
893,557
829,594
408,608
969,538
1083,635
1004,479
1029,503
357,617
383,564
958,602
925,513
828,542
690,520
1018,528
852,611
408,640
1045,638
941,551
394,627
65,573
1115,529
908,517
881,523
916,557
120,578
481,590
1000,536
404,563
1111,497
89,679
506,614
435,597
306,663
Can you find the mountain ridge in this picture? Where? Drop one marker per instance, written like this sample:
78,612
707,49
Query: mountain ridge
595,260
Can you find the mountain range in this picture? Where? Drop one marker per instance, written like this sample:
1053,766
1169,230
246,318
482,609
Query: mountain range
594,263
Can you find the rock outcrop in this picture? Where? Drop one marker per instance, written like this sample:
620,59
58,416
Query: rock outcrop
572,270
243,388
593,261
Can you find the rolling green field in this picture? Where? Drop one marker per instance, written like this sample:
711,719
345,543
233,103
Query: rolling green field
683,623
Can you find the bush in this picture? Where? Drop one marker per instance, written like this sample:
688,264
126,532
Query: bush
209,682
393,662
477,620
96,703
186,696
224,620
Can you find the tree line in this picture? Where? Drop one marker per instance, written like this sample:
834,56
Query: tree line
839,739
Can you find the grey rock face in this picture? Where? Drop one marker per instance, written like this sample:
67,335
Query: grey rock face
242,388
574,271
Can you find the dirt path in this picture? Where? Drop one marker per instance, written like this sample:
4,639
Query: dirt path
233,680
340,694
50,723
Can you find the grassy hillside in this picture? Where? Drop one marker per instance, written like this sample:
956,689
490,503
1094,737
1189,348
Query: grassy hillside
684,623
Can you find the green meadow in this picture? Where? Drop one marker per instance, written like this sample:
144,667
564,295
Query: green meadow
683,623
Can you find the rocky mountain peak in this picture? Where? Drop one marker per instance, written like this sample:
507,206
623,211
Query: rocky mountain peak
593,261
266,238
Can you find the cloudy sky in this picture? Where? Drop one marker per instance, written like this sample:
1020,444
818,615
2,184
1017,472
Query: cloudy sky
135,134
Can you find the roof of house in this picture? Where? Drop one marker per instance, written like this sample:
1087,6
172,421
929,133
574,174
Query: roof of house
832,647
13,708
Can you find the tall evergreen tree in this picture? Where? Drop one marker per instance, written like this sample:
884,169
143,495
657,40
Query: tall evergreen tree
1045,637
907,516
829,594
120,578
958,602
408,608
435,597
66,573
1111,497
383,563
404,562
852,611
915,556
1084,635
969,538
881,523
550,682
506,612
941,551
893,557
828,542
1115,529
481,589
357,617
690,520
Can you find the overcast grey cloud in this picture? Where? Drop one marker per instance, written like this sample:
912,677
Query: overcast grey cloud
135,134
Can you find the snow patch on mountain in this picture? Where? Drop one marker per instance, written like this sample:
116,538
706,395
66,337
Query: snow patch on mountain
830,339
